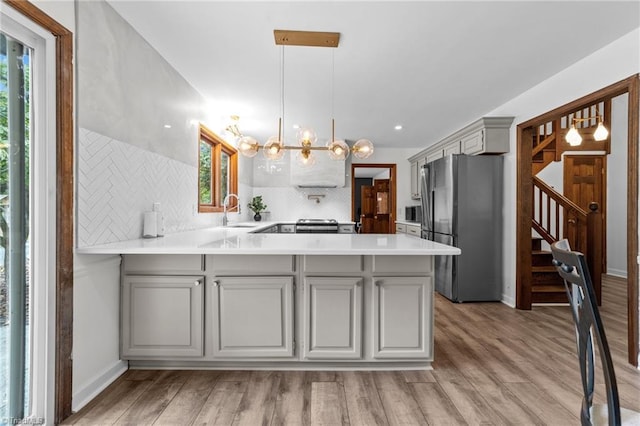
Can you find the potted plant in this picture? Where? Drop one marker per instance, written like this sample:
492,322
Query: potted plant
257,206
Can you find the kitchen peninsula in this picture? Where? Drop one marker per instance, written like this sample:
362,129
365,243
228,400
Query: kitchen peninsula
230,298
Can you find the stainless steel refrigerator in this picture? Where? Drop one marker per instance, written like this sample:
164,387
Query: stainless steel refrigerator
462,207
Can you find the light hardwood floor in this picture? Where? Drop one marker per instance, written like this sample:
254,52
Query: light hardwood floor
493,365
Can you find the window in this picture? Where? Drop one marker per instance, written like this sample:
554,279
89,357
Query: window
217,172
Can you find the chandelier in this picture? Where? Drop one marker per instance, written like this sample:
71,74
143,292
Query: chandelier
573,138
275,148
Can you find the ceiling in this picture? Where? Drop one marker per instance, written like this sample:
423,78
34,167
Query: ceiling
432,67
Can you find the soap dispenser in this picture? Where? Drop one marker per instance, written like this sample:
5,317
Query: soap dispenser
159,220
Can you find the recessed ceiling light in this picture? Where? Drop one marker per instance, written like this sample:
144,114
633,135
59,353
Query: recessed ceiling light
167,126
296,126
398,127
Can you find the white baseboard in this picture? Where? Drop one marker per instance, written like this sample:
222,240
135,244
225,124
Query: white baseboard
83,396
508,300
617,273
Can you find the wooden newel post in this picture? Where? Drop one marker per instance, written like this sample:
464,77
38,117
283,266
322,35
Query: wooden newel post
594,248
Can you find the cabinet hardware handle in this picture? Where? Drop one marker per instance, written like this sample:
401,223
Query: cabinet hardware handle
196,283
571,221
215,283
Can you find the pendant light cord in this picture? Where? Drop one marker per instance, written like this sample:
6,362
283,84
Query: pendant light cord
333,95
282,95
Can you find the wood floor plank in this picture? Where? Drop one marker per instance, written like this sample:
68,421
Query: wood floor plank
546,408
148,407
221,405
418,376
111,403
363,400
328,404
185,406
436,405
258,402
398,402
293,401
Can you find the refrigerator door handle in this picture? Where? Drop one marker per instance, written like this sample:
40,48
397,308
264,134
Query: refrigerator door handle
427,201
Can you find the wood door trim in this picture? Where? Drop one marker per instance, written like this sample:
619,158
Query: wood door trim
64,202
524,199
392,188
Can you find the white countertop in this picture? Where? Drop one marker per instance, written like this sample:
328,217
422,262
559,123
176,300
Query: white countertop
408,222
239,240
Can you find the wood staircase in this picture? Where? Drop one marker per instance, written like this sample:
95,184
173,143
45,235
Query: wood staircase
554,215
546,284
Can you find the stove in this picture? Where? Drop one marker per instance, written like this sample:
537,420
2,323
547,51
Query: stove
317,226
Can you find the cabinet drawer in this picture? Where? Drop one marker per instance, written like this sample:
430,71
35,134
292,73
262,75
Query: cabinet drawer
473,143
333,264
413,230
249,265
403,264
163,263
401,228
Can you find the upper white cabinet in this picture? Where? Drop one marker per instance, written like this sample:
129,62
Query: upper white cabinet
489,135
416,166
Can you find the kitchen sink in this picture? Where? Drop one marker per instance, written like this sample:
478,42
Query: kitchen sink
241,225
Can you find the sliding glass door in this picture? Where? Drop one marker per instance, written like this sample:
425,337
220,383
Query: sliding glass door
15,326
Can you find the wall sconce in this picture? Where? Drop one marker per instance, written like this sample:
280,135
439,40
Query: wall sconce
573,138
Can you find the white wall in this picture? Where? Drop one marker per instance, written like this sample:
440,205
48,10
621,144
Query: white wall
608,65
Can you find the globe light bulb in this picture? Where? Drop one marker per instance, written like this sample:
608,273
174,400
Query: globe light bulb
273,149
572,137
338,150
601,132
363,148
306,136
248,146
305,159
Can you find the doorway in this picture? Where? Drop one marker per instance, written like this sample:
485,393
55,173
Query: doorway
373,198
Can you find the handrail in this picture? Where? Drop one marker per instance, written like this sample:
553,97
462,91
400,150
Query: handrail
559,198
545,143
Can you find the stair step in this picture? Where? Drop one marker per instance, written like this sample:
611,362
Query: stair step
536,243
545,297
544,268
548,289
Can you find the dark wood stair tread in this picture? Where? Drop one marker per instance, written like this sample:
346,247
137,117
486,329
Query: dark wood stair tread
547,289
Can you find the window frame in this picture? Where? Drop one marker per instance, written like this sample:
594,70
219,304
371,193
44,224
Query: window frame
218,147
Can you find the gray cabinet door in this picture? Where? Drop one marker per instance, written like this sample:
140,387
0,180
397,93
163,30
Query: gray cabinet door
403,317
332,318
252,317
162,317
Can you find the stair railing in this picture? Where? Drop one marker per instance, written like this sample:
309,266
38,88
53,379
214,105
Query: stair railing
556,217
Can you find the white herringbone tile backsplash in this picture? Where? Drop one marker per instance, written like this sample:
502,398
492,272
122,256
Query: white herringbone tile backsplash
117,182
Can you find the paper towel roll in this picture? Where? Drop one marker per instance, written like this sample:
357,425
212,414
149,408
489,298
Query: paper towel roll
150,226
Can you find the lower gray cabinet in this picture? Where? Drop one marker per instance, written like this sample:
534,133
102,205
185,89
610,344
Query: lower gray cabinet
162,316
252,317
332,318
403,317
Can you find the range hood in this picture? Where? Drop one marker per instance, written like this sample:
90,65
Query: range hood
325,173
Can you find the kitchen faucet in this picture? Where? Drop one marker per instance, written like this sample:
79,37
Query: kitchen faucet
224,207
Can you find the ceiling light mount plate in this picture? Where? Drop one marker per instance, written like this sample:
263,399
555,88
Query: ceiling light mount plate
306,38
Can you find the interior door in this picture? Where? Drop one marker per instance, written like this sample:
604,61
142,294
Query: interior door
584,183
381,217
368,209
